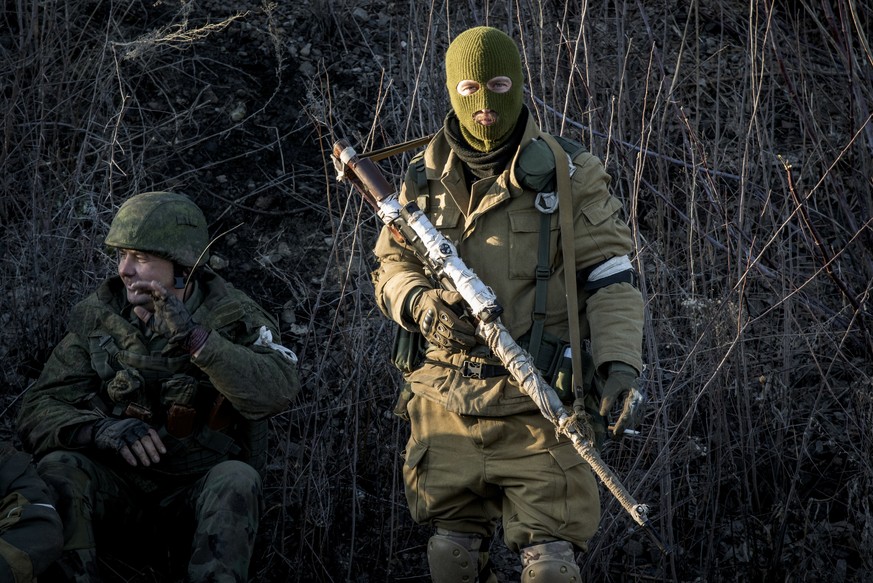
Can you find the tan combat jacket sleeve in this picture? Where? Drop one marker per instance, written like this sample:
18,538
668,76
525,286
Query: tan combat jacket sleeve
399,271
614,313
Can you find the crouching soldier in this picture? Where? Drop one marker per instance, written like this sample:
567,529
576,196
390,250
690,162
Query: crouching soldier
151,413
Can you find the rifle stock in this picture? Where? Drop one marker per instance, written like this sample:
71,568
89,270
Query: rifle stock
412,228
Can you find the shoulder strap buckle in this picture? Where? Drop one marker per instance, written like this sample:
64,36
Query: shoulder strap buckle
546,202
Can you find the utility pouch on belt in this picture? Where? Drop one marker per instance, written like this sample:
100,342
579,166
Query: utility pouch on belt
407,354
562,380
126,390
179,391
138,411
407,351
180,420
555,362
222,414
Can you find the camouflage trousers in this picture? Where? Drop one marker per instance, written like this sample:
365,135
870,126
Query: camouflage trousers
100,507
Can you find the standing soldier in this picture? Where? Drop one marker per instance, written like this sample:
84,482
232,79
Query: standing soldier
152,410
479,448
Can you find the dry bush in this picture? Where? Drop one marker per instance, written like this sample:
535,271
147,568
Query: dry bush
740,140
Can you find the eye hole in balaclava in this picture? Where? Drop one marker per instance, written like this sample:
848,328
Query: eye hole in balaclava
480,54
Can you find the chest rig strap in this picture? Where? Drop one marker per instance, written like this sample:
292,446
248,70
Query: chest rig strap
547,204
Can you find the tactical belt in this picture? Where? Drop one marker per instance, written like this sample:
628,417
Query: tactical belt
480,370
471,369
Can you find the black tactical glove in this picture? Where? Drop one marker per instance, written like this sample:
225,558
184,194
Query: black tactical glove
172,319
117,434
622,383
439,315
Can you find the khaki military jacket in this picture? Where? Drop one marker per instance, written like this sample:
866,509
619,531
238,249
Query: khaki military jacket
233,384
496,229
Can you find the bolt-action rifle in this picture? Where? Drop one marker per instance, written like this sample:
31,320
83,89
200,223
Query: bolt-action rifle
409,226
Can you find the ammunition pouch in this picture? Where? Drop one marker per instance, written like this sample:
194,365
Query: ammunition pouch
555,363
407,354
177,394
125,386
179,388
222,415
138,411
180,420
126,390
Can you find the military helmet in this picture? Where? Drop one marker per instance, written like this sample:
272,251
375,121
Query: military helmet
167,224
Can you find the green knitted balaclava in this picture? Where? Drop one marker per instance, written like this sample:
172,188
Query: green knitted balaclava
480,54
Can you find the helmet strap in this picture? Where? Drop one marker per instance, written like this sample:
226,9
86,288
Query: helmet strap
178,276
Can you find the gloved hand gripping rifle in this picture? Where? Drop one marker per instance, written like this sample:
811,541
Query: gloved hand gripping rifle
411,227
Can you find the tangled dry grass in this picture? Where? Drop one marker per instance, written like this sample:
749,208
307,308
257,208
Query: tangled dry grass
739,137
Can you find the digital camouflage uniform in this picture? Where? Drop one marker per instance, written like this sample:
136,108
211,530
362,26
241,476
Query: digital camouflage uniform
479,448
209,410
30,528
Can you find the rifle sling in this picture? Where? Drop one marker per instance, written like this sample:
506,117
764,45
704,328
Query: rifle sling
568,250
389,151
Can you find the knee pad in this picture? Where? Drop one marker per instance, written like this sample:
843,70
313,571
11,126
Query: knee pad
551,562
453,557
